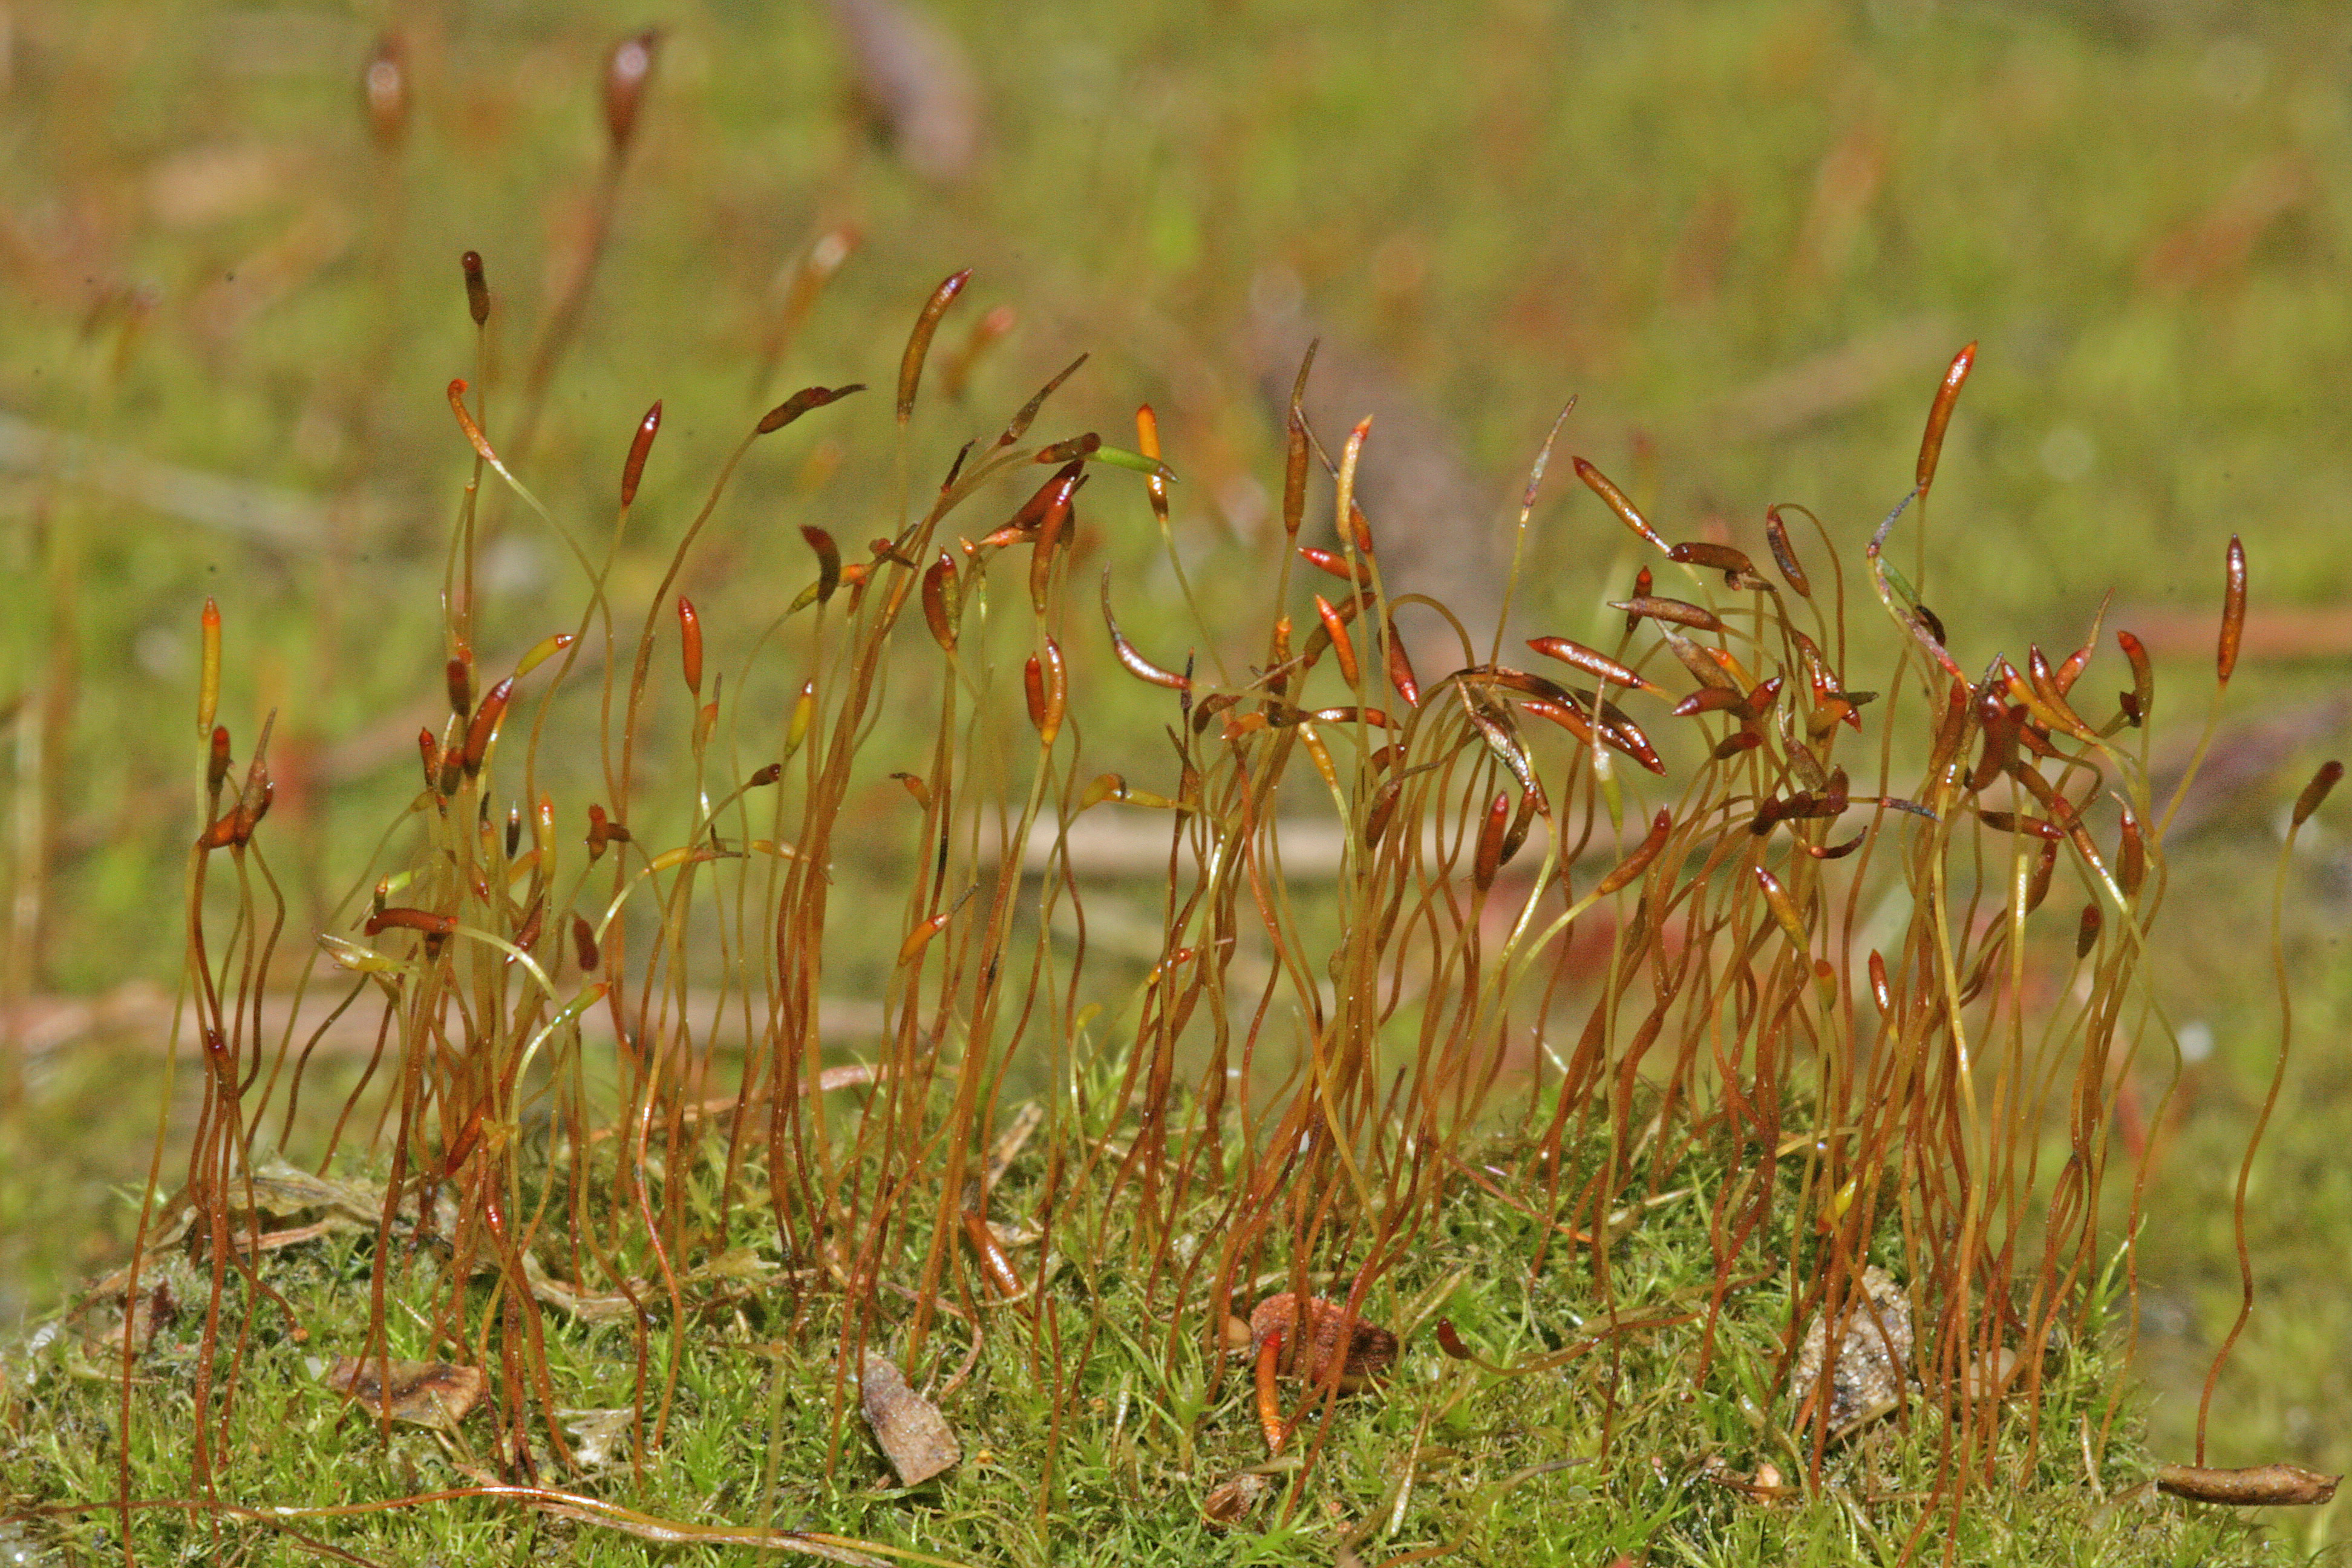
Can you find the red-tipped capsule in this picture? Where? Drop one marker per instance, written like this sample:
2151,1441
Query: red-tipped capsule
641,443
485,724
477,288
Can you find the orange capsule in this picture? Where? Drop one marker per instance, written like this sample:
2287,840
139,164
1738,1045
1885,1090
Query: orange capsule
918,341
1939,416
1615,499
1343,649
939,592
2233,610
690,644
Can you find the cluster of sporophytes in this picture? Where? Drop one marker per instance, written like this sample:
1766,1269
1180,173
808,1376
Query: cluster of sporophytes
1689,923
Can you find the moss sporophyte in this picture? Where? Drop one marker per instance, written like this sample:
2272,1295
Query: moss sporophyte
1699,1101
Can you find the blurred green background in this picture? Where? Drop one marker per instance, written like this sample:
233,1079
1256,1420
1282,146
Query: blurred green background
1747,236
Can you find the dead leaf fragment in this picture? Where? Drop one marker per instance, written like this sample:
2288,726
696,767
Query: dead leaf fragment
915,1437
422,1393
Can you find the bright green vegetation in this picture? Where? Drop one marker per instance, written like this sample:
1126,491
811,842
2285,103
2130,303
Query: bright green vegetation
1504,1466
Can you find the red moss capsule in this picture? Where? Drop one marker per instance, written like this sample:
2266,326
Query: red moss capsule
1597,482
1878,987
1077,449
1332,560
1679,612
690,644
629,70
1343,648
1634,865
1048,686
1054,531
1134,663
1642,581
477,288
2233,610
384,90
1488,858
918,341
828,562
2316,790
1590,660
485,724
2037,885
600,832
1784,554
1449,1340
2131,860
1940,415
1294,459
1716,557
460,673
939,597
1400,676
427,750
802,402
400,919
640,446
2136,703
583,946
2086,933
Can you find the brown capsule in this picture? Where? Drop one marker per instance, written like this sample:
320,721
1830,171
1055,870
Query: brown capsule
584,945
1709,700
802,402
1077,449
1836,851
1634,865
1400,676
765,776
2086,933
2316,790
1134,663
1489,856
1732,744
2131,860
1597,482
993,1263
1449,1340
1376,818
527,934
1590,660
629,70
1642,581
1294,471
1377,718
2233,610
383,89
477,288
1719,557
514,830
461,686
828,560
2037,886
1658,609
1784,554
640,444
1878,989
918,341
600,831
1939,416
400,919
938,590
1052,533
485,724
2136,702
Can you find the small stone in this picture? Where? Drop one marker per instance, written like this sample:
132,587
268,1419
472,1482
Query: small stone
1874,1361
